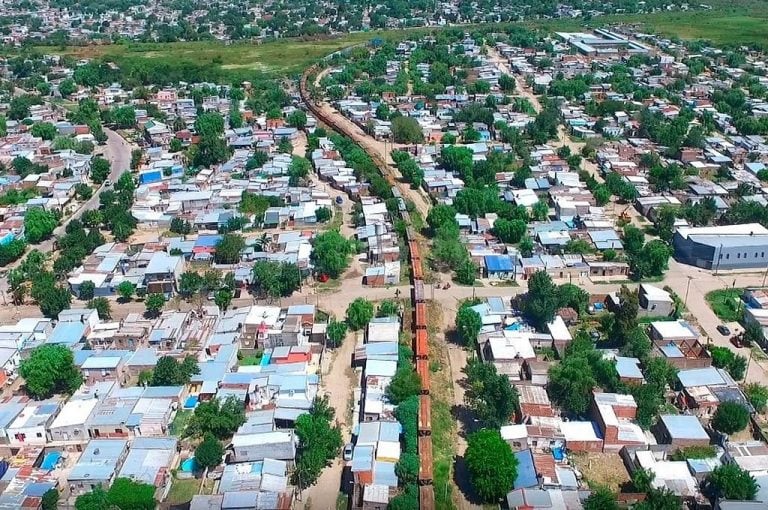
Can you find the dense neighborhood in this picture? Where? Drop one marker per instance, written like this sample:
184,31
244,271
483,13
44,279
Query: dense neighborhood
493,268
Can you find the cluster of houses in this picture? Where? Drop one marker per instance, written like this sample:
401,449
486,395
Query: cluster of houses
375,227
540,436
724,168
376,433
113,427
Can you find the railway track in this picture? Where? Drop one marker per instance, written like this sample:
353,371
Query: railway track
419,333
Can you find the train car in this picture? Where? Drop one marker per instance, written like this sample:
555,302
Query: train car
426,497
418,291
425,455
425,415
422,345
421,316
422,368
418,274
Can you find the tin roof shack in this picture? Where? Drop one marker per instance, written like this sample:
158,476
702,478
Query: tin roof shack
30,426
681,431
678,343
507,350
162,273
534,401
280,445
582,436
149,460
671,475
628,370
655,302
98,465
705,388
613,412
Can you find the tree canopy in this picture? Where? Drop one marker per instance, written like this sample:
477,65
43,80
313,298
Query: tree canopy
489,394
491,464
319,442
359,313
218,418
50,369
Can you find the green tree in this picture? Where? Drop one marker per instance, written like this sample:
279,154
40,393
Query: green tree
39,224
154,304
102,306
489,394
492,466
190,283
330,253
276,279
297,119
359,313
540,210
124,116
228,249
209,452
407,468
730,417
51,298
67,87
757,394
601,499
127,494
541,302
126,289
405,383
86,290
526,246
336,332
323,214
319,442
220,419
388,308
633,239
729,481
284,146
93,500
170,372
406,130
468,324
50,369
50,499
83,191
223,298
509,231
44,130
466,272
441,215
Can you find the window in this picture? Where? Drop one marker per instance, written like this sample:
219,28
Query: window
738,255
118,431
39,434
727,256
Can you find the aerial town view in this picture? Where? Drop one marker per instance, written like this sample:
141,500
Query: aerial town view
354,255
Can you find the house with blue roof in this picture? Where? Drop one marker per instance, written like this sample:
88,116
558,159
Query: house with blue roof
500,267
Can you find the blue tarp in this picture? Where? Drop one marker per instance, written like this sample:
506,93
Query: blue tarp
526,471
50,461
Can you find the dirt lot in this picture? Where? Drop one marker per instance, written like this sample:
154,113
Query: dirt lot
604,469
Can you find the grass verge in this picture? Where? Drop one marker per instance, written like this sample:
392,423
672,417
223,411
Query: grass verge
443,423
726,303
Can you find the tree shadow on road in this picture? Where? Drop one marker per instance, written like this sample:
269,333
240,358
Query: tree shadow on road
461,479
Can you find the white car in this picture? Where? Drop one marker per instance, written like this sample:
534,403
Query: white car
347,455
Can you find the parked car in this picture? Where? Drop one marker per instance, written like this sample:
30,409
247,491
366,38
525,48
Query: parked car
347,452
724,330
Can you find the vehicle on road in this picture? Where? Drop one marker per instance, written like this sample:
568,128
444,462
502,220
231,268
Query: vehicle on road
347,455
724,330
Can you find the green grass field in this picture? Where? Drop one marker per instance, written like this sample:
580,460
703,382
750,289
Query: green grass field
726,303
729,23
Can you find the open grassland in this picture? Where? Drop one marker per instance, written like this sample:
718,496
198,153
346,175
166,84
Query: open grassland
728,23
284,57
